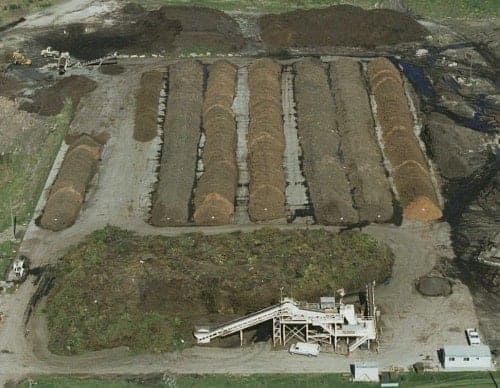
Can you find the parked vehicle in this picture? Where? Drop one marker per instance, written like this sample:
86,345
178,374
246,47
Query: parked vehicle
305,349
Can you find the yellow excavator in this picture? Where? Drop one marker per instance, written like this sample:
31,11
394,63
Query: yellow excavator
20,59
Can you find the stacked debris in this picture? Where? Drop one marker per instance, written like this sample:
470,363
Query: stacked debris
172,199
216,188
364,161
323,158
146,106
410,170
68,192
266,142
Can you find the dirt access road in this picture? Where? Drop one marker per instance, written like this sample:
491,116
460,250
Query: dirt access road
413,326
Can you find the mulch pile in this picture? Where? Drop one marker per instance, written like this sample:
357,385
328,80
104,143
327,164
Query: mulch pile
49,101
216,188
364,161
323,159
342,25
68,191
409,167
266,142
172,199
146,106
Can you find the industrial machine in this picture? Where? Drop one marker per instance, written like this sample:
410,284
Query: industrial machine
20,59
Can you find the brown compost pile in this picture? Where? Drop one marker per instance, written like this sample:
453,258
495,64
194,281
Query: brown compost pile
322,156
409,167
216,188
172,199
342,25
49,101
266,142
146,106
364,161
68,191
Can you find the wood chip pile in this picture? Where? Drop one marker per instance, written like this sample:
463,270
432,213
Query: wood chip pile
146,106
216,188
266,142
409,167
68,191
364,161
172,199
323,159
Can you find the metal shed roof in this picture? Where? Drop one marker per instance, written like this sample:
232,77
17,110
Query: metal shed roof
467,351
365,364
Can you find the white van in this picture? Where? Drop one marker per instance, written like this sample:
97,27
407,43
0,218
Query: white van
305,349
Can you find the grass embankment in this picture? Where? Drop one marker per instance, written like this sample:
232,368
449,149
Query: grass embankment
148,293
427,8
11,10
8,251
448,380
23,172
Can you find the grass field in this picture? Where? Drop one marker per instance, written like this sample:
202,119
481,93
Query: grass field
23,174
410,380
426,8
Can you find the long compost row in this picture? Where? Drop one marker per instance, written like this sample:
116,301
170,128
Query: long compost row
173,197
266,142
323,159
410,170
68,191
365,170
146,111
216,188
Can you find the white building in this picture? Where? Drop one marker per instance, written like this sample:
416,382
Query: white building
467,357
365,371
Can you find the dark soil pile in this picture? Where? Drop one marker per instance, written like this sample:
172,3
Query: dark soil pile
216,188
364,162
205,29
150,292
266,142
146,106
342,25
409,167
68,191
323,159
458,151
172,199
139,31
49,101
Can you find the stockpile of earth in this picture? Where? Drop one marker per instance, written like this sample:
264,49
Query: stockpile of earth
371,192
342,25
146,106
138,31
322,157
216,188
410,170
68,192
172,199
49,101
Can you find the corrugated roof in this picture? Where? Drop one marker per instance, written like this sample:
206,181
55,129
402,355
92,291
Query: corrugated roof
467,351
